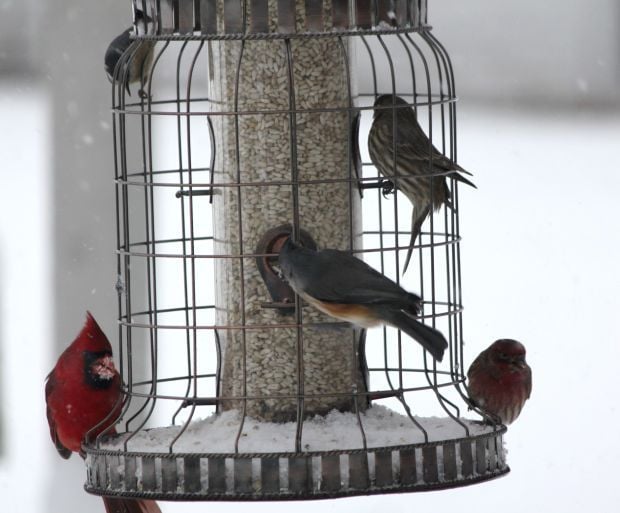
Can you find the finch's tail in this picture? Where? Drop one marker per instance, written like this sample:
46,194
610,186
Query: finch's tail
431,339
122,505
460,178
418,216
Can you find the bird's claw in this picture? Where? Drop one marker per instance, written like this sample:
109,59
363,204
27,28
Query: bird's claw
489,419
387,187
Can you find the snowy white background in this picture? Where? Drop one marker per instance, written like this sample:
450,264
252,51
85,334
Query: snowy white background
539,124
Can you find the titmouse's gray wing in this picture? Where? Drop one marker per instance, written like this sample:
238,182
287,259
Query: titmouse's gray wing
337,277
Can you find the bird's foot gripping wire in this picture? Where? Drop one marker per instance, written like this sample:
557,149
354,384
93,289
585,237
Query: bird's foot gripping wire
386,186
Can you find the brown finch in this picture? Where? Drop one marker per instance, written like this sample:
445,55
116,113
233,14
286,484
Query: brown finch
500,380
416,167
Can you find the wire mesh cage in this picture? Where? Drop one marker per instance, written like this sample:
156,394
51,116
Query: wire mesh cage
248,122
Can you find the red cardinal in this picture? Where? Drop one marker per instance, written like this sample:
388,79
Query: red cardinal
500,381
84,398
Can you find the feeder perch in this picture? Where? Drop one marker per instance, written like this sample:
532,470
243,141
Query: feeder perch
252,124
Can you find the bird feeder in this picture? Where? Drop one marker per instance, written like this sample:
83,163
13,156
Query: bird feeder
251,125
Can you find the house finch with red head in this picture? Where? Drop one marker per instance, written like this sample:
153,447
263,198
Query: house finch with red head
500,380
410,160
84,398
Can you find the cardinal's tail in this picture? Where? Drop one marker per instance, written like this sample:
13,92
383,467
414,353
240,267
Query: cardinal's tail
123,505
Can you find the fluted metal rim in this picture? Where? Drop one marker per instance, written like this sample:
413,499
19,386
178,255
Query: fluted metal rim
252,497
256,19
311,475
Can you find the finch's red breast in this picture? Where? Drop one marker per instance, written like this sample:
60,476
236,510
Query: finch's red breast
500,383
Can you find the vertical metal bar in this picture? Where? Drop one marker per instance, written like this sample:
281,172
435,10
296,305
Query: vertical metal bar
186,17
190,292
218,368
208,16
434,180
260,16
167,20
102,474
451,112
169,478
429,464
455,219
358,471
142,26
212,160
121,214
501,451
148,244
408,472
414,12
151,263
330,473
188,107
383,8
380,209
340,14
233,17
216,475
241,246
383,468
363,14
131,478
196,4
395,175
395,171
492,454
149,481
114,461
467,459
191,474
449,461
314,15
395,179
175,14
286,16
433,381
270,475
351,183
300,474
157,20
440,60
126,239
184,244
292,119
481,459
243,475
423,12
400,11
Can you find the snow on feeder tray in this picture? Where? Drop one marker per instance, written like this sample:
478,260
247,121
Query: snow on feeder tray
250,125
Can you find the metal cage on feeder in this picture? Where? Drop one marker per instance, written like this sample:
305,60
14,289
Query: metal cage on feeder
251,123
